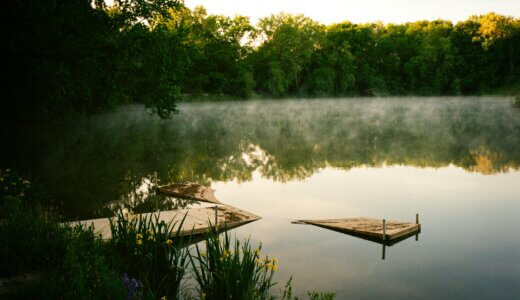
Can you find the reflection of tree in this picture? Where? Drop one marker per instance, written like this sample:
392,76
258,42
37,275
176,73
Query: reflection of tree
111,156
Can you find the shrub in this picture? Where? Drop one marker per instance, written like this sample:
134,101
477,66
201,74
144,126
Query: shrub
29,240
12,185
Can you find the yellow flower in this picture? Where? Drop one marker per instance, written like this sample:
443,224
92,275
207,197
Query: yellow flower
163,298
151,238
202,296
257,251
203,254
274,268
129,216
138,236
149,231
169,242
225,254
274,260
139,242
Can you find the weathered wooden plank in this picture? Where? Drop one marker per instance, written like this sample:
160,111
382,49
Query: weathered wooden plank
197,221
192,191
367,227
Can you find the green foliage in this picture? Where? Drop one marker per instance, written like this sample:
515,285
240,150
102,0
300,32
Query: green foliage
28,242
226,272
145,259
313,295
85,270
150,251
12,185
70,58
286,53
82,272
78,57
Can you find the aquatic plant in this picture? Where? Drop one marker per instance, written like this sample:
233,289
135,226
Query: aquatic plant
225,272
145,259
312,295
151,251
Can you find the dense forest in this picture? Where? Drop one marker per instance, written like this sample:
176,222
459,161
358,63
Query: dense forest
68,58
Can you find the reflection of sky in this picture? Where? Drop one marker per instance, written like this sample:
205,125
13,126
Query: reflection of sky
467,248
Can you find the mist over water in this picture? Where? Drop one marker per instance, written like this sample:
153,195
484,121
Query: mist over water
116,154
454,161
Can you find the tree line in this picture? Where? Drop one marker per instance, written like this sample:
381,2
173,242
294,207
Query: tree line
81,56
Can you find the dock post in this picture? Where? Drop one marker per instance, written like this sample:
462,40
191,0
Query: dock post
216,217
417,222
384,229
155,189
384,246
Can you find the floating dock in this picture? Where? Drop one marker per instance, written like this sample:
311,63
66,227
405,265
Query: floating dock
197,221
191,191
379,230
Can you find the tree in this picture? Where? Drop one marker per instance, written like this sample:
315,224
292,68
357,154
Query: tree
496,29
289,43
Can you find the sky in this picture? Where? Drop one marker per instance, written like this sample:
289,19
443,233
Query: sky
361,11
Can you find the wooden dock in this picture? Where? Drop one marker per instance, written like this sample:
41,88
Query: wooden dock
379,230
198,220
191,191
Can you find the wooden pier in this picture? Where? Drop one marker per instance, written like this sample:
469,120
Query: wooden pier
197,221
381,230
191,191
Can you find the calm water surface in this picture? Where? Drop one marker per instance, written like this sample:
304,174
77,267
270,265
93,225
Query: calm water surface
455,161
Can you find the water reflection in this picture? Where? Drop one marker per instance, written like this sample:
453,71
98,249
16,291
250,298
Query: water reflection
109,161
452,160
467,246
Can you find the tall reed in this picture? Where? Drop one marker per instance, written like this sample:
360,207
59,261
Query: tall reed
152,252
226,272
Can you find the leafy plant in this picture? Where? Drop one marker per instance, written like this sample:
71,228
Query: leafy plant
313,295
238,272
13,185
152,251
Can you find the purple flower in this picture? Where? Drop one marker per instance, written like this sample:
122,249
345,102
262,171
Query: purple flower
132,287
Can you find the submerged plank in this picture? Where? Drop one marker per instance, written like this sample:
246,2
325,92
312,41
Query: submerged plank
192,191
197,221
367,227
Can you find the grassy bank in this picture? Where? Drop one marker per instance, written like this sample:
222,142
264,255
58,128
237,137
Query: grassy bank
145,259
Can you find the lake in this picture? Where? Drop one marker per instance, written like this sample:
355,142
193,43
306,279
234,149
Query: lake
454,161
